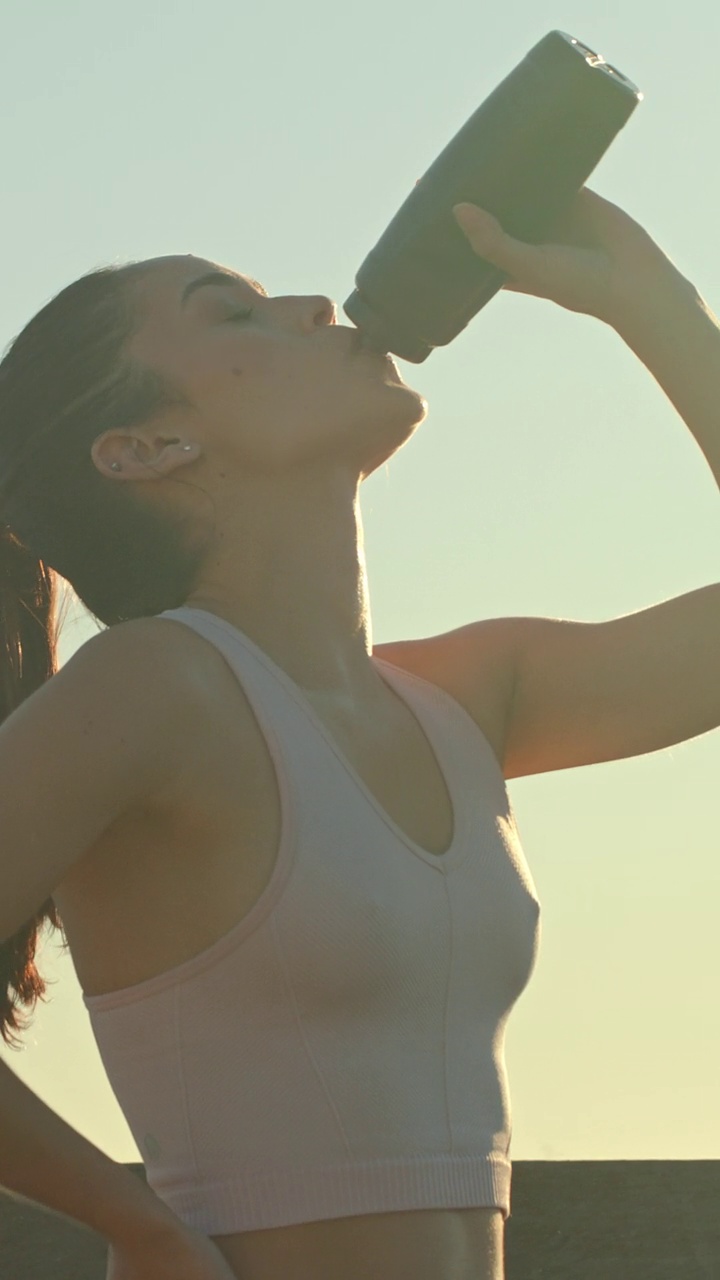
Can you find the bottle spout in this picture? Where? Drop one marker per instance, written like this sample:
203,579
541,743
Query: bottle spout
379,334
373,342
371,326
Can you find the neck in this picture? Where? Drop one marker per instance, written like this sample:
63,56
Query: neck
288,570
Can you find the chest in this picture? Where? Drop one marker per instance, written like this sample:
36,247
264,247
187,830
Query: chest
164,884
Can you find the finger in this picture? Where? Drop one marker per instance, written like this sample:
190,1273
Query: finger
487,238
527,289
594,202
598,214
576,225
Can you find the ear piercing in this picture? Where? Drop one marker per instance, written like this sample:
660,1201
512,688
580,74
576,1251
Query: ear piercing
115,466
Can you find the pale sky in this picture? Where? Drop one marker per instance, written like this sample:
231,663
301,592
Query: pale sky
551,477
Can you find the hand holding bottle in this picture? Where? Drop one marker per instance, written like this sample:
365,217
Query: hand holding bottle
597,261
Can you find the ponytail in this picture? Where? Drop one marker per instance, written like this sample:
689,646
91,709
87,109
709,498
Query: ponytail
65,380
28,657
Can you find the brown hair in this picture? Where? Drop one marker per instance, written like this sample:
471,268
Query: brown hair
64,380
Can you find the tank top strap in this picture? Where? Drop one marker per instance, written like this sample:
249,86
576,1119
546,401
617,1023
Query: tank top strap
310,765
467,754
268,689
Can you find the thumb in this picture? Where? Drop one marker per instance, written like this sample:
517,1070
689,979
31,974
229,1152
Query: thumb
490,242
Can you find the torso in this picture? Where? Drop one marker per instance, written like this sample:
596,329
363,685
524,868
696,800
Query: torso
147,875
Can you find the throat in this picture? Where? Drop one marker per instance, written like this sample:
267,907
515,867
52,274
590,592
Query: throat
388,751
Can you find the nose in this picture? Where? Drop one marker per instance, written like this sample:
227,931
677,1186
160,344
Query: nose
309,312
322,310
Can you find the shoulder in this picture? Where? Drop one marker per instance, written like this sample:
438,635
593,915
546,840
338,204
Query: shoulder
109,732
140,675
161,651
474,664
159,679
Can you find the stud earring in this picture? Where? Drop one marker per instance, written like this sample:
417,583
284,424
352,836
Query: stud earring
115,466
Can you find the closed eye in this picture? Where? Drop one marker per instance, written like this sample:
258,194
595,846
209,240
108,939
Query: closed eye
239,315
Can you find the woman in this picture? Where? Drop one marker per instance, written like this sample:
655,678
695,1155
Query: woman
284,860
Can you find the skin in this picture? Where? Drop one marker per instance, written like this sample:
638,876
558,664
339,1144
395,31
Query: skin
285,419
283,424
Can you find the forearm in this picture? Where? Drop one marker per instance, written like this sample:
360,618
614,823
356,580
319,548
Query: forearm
677,337
43,1159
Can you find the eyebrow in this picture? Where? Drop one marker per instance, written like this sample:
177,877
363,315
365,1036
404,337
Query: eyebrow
216,278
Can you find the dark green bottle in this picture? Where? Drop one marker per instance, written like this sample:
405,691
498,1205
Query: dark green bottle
523,155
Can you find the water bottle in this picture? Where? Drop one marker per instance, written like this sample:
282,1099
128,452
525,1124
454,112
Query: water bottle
523,156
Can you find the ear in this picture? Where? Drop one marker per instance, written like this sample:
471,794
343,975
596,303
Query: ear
128,457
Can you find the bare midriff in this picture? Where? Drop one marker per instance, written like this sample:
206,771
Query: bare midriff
428,1244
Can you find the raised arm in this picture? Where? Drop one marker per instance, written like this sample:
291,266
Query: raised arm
587,692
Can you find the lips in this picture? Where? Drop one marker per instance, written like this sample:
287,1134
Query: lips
357,343
363,344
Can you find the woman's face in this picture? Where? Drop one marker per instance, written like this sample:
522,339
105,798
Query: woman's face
274,382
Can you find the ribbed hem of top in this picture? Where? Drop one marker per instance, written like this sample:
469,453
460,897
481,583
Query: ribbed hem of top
283,1197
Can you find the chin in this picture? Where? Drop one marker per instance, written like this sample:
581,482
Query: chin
390,449
410,393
